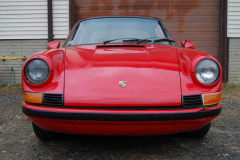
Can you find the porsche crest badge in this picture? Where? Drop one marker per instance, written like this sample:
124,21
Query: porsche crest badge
122,83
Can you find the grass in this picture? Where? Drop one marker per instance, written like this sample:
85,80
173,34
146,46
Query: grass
231,92
5,88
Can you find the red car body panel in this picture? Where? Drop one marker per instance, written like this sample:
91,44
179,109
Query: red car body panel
56,85
92,76
87,76
119,128
189,87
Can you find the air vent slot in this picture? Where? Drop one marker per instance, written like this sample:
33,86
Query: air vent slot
192,101
54,100
120,46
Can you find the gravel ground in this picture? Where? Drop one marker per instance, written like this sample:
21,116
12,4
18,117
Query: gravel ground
17,140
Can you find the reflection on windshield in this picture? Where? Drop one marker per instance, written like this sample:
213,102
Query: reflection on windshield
116,30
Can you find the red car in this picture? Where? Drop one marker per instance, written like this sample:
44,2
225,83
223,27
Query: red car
121,75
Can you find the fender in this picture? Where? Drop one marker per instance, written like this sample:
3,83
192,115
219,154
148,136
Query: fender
57,56
189,87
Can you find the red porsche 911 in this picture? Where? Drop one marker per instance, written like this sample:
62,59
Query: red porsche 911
121,75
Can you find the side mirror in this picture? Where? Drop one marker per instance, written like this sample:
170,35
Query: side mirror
188,44
53,45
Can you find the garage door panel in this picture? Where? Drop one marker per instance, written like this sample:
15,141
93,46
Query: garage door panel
195,24
95,11
195,20
145,6
198,37
206,44
191,30
191,2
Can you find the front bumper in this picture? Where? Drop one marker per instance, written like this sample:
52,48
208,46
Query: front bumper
120,122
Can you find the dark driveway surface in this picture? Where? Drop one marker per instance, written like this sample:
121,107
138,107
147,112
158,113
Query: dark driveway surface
17,140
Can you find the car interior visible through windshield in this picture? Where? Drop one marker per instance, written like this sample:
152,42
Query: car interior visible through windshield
99,30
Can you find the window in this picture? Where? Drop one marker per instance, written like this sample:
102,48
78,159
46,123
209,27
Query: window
98,30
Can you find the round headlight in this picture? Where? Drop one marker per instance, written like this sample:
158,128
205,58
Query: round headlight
207,71
37,71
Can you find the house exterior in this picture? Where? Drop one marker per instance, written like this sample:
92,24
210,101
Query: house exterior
233,33
24,31
27,26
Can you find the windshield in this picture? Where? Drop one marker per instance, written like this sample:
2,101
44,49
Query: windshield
118,30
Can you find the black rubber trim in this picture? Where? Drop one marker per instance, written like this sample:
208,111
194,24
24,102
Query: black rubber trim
118,46
126,108
121,116
140,108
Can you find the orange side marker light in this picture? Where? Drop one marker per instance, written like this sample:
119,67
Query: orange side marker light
212,98
35,98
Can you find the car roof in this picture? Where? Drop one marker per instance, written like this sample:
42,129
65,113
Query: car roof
98,17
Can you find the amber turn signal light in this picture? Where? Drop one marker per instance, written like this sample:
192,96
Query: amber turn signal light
35,98
212,98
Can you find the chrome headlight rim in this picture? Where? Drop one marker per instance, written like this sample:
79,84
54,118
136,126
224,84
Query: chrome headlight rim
216,77
193,75
29,78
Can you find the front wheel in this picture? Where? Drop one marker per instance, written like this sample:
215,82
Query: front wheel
43,134
200,132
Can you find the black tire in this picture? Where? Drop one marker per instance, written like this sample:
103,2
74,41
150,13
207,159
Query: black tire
43,134
200,132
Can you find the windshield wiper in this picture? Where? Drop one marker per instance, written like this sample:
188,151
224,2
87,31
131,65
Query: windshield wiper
146,39
126,39
163,39
157,40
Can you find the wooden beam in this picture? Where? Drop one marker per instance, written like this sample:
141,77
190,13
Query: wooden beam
71,14
224,47
50,21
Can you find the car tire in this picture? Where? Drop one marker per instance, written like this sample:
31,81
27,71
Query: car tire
43,134
200,132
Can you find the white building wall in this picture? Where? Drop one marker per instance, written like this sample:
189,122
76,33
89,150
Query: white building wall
60,19
17,48
234,40
24,31
23,19
233,18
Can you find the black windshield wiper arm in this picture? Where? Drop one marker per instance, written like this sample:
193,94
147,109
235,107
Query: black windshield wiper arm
157,40
129,39
143,40
163,39
146,39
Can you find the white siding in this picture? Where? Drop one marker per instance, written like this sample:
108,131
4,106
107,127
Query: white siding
23,19
60,19
233,18
17,48
234,60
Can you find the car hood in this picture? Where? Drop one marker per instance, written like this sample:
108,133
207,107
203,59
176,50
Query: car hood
93,74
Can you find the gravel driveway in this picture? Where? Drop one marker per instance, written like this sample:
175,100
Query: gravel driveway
17,140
